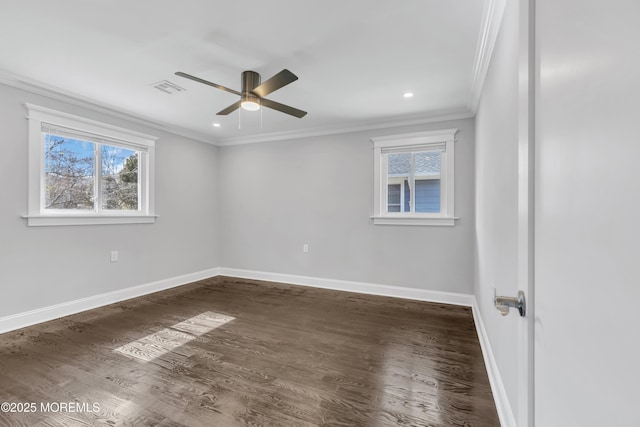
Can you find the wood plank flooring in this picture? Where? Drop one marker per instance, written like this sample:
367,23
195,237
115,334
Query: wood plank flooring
232,352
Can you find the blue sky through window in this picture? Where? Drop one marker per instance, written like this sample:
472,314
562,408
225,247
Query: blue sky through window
83,151
113,158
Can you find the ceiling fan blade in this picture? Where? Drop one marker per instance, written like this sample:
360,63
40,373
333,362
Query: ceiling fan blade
230,109
283,108
199,80
281,79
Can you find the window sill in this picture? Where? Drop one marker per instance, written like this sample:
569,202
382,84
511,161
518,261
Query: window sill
62,220
442,221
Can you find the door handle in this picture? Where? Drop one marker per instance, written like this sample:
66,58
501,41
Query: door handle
504,303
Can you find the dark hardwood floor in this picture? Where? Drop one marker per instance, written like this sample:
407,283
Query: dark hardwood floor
227,352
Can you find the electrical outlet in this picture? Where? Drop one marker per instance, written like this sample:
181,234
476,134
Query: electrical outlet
305,248
114,256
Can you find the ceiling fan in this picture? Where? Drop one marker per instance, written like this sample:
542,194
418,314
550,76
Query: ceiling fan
253,92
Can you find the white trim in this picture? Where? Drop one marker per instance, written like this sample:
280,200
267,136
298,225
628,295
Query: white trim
416,138
444,138
495,380
55,220
56,93
347,128
491,19
44,314
38,88
447,221
527,79
32,317
349,286
55,117
142,143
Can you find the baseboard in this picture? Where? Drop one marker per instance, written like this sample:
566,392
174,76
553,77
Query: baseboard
21,320
44,314
349,286
495,380
28,318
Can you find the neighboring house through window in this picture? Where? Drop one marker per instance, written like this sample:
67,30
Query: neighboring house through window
413,173
414,179
85,172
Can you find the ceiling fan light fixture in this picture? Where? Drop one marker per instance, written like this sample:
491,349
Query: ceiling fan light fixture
250,103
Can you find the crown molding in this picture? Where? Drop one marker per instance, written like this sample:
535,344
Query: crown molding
72,98
349,127
491,19
75,99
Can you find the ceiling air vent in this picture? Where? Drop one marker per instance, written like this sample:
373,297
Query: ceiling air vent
167,87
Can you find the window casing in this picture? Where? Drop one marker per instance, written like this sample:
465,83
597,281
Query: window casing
414,178
84,172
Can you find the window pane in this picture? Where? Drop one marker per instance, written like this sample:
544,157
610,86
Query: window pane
399,164
69,173
393,198
407,196
427,163
119,178
427,195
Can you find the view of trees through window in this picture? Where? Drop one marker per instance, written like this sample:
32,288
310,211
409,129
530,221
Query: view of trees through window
119,178
73,180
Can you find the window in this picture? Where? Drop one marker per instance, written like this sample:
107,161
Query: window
85,172
414,178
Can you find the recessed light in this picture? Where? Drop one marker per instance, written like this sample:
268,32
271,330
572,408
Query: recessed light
408,95
216,125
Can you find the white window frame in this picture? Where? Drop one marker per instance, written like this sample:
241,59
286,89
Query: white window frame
398,180
442,140
145,144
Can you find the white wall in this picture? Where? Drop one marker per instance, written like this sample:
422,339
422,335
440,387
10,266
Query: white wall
496,258
276,196
43,266
587,348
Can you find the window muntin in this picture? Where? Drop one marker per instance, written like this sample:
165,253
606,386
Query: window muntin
414,178
86,172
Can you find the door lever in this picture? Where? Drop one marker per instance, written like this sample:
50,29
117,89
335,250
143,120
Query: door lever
504,303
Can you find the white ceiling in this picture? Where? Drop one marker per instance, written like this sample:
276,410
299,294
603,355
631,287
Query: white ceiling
354,58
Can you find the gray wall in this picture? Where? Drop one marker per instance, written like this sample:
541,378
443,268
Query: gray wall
276,196
496,195
43,266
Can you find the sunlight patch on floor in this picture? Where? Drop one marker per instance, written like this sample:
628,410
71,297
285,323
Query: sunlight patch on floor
169,339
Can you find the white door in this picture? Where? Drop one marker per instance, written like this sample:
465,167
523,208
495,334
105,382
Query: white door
587,213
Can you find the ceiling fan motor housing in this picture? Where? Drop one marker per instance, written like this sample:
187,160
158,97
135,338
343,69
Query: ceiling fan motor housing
250,81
